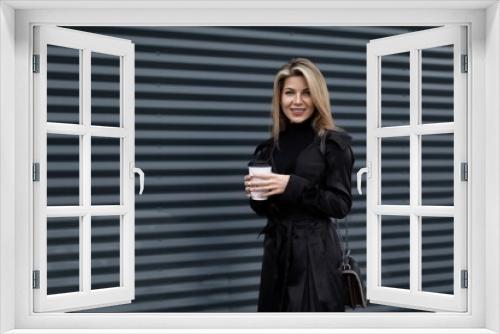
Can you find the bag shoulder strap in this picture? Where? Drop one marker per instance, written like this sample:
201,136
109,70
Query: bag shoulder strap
322,149
322,144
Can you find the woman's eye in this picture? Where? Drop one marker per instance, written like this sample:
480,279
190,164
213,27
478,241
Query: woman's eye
289,93
307,93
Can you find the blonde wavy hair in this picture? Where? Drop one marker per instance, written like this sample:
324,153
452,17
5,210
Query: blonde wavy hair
322,116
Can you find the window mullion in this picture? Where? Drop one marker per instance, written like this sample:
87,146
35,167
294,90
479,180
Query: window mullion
415,261
86,170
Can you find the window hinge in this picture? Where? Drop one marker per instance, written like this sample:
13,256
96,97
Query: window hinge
36,171
465,279
465,67
36,63
464,171
36,279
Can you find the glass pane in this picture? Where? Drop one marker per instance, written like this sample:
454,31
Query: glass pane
395,170
63,169
395,89
437,254
105,252
63,84
105,171
63,255
437,84
395,251
105,89
437,169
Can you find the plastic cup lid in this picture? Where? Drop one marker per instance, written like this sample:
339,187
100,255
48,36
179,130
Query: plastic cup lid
258,164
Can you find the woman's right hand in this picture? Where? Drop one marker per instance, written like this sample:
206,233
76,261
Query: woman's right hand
266,184
247,188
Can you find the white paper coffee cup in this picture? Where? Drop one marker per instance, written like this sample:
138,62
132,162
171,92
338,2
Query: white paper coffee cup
258,170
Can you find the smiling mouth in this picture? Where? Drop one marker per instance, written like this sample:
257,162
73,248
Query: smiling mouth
298,111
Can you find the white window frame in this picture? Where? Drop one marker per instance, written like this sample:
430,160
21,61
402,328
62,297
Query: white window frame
85,44
16,20
414,43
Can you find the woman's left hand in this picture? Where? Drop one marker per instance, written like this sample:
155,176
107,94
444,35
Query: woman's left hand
269,184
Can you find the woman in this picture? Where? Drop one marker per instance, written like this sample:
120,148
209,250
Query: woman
308,184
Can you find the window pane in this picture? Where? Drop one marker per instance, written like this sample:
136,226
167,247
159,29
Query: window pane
395,251
437,84
63,251
105,252
395,169
63,84
105,171
437,254
105,89
63,169
395,89
437,169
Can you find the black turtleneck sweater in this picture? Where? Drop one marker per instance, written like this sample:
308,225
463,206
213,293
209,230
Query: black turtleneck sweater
295,138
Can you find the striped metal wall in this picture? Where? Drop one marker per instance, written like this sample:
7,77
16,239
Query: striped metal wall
202,104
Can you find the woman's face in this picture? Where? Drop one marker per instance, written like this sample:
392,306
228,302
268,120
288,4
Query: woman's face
296,101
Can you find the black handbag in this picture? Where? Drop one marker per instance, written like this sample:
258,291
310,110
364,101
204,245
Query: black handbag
354,287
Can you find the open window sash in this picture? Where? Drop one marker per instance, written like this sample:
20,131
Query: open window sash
413,44
84,296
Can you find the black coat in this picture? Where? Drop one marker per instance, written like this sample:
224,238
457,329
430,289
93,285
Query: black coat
302,254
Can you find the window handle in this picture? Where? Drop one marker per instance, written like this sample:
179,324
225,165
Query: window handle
366,170
134,170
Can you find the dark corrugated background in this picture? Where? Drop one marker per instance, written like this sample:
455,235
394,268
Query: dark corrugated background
202,105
